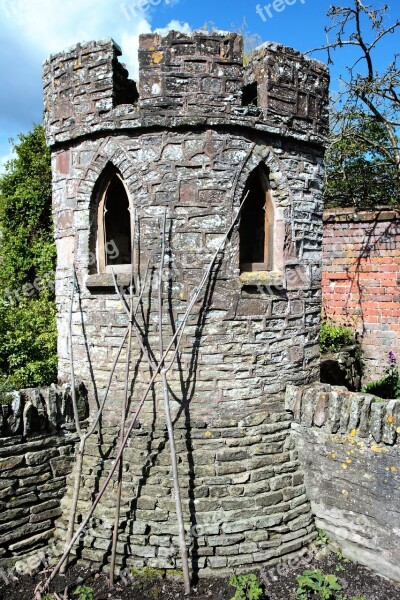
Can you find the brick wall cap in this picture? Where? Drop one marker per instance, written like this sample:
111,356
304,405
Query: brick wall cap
381,213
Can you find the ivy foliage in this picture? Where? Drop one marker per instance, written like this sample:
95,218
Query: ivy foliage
27,250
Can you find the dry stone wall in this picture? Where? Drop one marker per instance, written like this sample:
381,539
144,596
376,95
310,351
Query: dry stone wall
188,147
37,447
39,410
348,445
32,483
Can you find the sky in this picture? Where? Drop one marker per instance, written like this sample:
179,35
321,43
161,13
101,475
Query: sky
30,30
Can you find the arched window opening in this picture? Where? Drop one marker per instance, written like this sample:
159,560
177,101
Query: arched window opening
257,225
114,243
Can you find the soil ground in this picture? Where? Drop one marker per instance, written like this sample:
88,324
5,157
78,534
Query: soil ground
279,584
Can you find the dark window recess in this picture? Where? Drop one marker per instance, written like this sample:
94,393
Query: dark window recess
117,224
250,95
252,224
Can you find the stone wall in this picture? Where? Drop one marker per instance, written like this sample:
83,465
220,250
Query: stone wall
40,410
32,483
188,147
348,445
233,474
343,368
290,91
360,285
37,445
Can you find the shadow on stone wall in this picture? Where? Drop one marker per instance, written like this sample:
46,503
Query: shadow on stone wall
343,368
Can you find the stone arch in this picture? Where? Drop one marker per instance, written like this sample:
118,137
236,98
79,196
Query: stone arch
109,156
281,197
109,152
265,155
111,227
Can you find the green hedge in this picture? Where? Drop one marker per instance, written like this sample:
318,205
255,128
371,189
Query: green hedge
27,308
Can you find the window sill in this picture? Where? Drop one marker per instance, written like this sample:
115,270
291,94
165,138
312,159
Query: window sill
272,278
105,280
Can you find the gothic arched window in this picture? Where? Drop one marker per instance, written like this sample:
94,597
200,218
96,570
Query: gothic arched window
256,229
114,231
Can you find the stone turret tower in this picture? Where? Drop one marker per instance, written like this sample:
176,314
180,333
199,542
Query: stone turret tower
198,134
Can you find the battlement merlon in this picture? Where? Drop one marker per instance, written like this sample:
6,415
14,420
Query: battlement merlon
185,79
290,88
198,73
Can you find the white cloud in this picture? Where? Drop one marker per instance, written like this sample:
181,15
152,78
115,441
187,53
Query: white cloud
174,25
129,43
31,30
48,26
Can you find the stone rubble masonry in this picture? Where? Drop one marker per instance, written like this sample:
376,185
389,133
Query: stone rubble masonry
186,145
291,90
184,81
348,445
361,284
343,367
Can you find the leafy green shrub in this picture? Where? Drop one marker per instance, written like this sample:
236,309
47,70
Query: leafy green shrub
335,337
318,584
247,587
322,539
388,386
27,308
84,592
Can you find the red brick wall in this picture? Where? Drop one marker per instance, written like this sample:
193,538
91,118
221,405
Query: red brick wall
361,278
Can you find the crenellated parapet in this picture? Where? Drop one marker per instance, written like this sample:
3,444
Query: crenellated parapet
185,80
82,86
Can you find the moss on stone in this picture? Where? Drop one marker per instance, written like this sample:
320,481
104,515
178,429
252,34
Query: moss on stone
147,572
176,573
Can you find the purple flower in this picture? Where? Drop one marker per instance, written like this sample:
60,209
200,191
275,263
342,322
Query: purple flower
392,358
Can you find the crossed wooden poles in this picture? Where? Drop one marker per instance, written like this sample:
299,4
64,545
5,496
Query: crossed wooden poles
167,355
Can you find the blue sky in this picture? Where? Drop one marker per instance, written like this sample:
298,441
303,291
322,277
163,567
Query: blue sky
32,29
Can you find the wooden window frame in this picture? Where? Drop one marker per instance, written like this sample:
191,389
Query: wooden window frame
101,241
